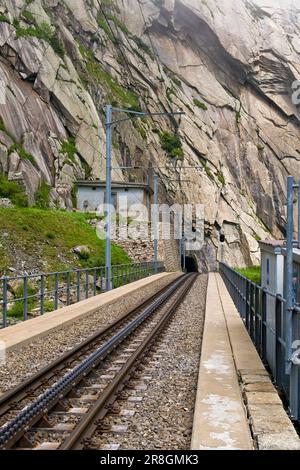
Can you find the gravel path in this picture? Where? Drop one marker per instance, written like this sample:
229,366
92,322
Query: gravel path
164,419
27,360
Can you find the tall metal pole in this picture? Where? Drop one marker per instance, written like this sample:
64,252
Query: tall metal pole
289,291
299,214
108,196
155,221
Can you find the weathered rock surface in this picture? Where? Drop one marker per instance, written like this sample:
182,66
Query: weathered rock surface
229,65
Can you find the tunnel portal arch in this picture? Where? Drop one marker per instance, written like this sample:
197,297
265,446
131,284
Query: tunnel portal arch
190,263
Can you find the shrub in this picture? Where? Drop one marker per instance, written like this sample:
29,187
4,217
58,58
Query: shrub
200,105
13,191
22,153
84,255
4,18
68,148
43,31
171,144
221,177
42,196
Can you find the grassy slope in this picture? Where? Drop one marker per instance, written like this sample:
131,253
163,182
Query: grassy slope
47,237
253,273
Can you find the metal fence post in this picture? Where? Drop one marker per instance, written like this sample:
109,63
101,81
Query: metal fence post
42,294
247,304
55,291
263,325
278,336
252,312
86,284
95,283
25,298
68,287
256,313
78,286
4,303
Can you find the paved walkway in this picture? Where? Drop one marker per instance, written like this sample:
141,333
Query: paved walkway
237,406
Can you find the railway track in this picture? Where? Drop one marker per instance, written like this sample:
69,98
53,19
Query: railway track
62,405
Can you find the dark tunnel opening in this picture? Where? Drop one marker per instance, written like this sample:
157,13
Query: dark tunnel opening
191,265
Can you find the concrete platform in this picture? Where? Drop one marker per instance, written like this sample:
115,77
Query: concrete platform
18,335
237,406
220,420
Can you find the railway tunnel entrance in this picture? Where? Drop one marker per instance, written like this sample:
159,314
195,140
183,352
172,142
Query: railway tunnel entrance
191,265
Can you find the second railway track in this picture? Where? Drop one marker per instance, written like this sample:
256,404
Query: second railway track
61,406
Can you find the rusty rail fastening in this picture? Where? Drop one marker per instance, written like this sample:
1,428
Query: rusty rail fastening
14,431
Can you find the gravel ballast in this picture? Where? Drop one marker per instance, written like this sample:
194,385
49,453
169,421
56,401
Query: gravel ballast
27,360
164,417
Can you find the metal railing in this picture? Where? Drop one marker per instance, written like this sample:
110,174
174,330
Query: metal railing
264,316
32,295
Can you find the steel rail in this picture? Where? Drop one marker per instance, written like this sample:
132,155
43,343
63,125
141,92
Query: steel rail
78,438
13,431
20,392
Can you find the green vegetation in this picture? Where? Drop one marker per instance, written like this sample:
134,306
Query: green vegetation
200,105
13,191
260,147
16,310
172,145
95,74
221,177
257,237
28,16
28,231
4,18
141,130
42,196
253,273
43,31
22,153
208,172
176,80
16,147
68,148
169,93
74,196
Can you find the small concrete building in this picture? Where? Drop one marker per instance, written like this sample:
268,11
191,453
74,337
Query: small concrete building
272,265
273,253
91,195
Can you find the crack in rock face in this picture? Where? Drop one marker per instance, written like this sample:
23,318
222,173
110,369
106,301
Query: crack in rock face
229,65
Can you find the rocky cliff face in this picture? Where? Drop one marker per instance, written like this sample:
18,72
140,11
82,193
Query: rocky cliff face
228,64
